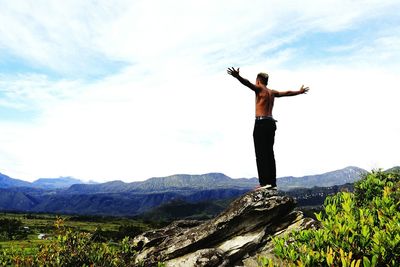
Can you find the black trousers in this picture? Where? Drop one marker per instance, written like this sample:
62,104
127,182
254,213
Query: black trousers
264,138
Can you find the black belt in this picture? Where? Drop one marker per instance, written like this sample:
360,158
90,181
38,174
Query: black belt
259,118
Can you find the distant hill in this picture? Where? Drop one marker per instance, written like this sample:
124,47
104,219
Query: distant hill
394,169
169,183
204,181
338,177
54,183
6,182
108,187
44,183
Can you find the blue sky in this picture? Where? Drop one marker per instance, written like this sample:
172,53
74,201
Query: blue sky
130,90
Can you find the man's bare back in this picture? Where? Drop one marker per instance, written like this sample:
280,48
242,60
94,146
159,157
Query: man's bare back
264,101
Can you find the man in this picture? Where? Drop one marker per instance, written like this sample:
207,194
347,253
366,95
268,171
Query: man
265,127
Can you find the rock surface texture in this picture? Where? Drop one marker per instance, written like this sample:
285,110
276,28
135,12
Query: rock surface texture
237,237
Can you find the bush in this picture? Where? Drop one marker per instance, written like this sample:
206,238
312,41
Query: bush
357,229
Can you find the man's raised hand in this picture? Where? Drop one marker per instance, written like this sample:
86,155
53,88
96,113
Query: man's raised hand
304,90
233,72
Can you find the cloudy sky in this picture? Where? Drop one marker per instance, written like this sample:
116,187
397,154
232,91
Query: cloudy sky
129,90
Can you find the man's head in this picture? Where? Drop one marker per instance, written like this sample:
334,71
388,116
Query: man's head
262,77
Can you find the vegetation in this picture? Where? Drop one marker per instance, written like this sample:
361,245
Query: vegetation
75,241
357,229
71,248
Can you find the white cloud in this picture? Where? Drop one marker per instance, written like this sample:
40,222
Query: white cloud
53,35
75,36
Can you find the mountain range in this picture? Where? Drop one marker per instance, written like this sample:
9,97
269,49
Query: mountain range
69,195
71,185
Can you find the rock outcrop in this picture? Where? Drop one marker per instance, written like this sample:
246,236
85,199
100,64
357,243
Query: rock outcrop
234,238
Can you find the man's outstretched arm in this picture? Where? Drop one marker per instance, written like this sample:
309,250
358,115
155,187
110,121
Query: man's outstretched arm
302,90
235,73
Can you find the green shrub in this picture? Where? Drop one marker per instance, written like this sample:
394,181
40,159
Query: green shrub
357,229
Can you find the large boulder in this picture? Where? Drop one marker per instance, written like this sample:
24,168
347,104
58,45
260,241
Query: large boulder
234,238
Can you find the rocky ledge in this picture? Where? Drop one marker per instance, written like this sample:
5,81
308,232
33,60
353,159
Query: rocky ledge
237,237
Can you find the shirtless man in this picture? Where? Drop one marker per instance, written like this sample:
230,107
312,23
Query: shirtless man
265,127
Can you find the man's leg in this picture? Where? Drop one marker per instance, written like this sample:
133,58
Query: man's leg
270,156
264,135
